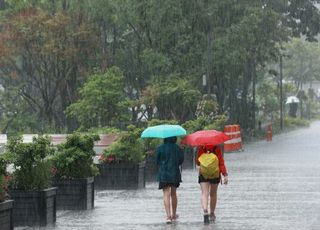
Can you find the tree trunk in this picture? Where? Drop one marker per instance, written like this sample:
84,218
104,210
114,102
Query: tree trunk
244,114
253,106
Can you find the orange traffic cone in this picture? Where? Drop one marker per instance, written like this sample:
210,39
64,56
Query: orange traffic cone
269,133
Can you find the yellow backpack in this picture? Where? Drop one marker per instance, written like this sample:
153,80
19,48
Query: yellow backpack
209,165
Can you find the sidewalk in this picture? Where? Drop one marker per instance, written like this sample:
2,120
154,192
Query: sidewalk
273,186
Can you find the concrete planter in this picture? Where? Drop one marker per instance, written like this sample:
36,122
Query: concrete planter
6,215
75,194
121,176
189,158
151,168
34,208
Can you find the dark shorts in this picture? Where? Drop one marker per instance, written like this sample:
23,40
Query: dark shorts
211,181
163,185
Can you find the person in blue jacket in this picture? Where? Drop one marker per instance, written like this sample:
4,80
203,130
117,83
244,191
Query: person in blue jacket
169,159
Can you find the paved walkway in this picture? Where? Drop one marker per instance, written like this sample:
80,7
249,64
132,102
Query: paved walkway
273,186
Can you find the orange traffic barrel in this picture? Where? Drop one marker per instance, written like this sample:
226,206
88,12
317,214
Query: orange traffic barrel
235,142
237,138
228,144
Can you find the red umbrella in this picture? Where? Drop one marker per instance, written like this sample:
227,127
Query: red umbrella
205,137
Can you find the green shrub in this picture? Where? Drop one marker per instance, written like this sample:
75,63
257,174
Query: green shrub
74,158
4,177
150,144
31,163
128,148
290,122
3,186
218,123
155,122
205,123
104,130
195,125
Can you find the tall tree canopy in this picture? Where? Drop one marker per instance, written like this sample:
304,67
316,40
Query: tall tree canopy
48,48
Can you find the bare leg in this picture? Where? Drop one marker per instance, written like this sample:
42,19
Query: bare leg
166,201
204,195
213,197
174,201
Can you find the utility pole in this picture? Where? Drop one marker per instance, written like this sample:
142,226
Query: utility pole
281,96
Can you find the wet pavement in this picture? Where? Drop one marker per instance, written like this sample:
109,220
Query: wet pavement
273,186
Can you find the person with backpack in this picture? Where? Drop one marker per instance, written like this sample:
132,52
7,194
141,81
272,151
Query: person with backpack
211,162
169,159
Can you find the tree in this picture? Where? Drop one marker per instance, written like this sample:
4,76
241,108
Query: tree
301,62
102,100
174,99
46,56
228,41
16,115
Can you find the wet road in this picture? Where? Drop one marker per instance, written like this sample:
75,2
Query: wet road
273,186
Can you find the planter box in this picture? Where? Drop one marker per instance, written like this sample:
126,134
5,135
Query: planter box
189,159
6,215
34,208
121,176
151,168
75,194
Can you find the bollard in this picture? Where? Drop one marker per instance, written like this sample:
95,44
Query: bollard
269,132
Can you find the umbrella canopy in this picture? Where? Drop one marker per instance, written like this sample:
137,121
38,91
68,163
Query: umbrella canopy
205,137
163,131
292,99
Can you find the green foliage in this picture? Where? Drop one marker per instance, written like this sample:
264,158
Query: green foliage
31,163
104,130
218,123
301,62
101,100
3,184
49,47
290,122
45,56
207,107
195,125
155,122
16,116
166,94
74,158
150,144
128,148
204,123
315,110
267,100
